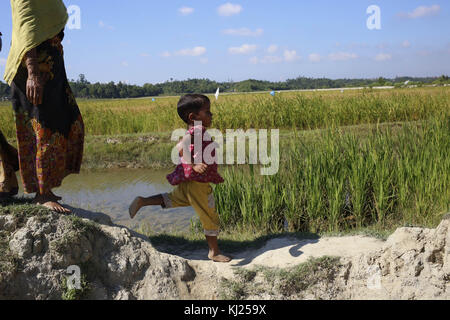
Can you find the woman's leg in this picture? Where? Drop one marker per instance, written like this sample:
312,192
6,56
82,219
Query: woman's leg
50,136
8,180
8,166
50,163
36,165
53,196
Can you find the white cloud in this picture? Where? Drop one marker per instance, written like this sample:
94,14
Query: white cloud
254,60
165,54
145,55
272,48
2,62
266,60
314,57
204,60
424,53
103,25
406,44
124,63
342,56
383,57
229,9
291,55
271,59
194,52
288,56
244,32
244,49
185,11
422,11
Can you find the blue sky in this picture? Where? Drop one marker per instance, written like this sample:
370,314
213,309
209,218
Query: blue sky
147,41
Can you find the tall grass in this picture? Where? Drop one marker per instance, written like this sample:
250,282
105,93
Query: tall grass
300,110
342,182
332,182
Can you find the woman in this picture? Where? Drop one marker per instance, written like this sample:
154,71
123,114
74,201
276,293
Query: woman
50,130
9,164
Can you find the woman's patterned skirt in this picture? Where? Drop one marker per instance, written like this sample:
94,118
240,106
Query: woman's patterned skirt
50,137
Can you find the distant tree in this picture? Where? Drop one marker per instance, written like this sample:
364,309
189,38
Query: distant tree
82,88
442,80
381,81
82,79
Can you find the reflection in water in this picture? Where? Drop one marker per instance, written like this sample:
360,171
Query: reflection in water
111,192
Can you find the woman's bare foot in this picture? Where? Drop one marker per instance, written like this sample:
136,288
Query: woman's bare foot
48,202
218,257
54,196
51,196
55,206
135,206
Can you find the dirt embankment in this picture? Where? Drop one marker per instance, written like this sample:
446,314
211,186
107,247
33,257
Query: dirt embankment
116,263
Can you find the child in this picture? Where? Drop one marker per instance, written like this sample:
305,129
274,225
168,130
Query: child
191,178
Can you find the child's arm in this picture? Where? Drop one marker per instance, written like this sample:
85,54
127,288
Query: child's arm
184,149
188,157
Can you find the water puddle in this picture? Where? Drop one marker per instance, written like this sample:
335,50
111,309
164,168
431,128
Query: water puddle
112,191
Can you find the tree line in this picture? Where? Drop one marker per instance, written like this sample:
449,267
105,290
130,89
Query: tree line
82,88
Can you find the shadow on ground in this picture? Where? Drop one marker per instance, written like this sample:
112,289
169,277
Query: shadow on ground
245,251
197,249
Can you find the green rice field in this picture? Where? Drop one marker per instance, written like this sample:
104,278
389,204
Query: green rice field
352,160
289,110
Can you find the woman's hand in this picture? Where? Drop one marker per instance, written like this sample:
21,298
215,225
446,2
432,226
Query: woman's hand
35,81
35,89
200,168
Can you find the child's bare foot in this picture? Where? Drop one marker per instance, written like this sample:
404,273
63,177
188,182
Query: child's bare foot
218,257
135,206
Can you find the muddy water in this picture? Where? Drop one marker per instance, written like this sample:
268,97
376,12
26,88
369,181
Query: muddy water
112,191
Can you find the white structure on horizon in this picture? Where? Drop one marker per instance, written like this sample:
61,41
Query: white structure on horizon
217,93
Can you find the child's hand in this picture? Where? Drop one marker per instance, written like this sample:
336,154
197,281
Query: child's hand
200,168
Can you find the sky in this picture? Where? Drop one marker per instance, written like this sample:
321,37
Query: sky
148,41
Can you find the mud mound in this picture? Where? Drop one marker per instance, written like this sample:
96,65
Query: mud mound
414,263
115,263
37,249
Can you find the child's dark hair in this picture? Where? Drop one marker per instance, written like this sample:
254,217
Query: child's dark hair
191,103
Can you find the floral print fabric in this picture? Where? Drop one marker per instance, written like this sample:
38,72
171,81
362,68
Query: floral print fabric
50,136
184,171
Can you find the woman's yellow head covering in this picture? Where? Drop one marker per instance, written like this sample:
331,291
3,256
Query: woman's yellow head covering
34,21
